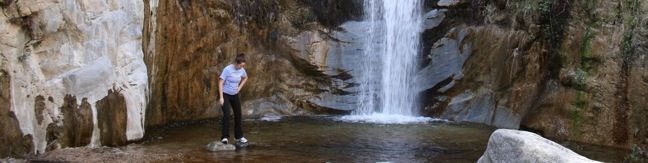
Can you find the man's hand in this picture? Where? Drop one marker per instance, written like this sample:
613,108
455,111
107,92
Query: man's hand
221,101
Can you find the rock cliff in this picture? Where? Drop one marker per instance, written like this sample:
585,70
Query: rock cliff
59,58
570,70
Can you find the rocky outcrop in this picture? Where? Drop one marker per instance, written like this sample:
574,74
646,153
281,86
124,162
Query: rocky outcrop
463,91
59,58
570,71
521,146
77,122
194,40
12,140
112,118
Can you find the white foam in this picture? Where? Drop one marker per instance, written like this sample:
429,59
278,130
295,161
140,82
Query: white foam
270,118
381,118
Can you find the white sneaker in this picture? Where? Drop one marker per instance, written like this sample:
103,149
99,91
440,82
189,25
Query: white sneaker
224,140
242,140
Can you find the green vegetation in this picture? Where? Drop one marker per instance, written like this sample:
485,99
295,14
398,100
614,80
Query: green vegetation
552,20
302,18
260,12
586,64
580,79
638,155
577,113
630,23
587,61
628,11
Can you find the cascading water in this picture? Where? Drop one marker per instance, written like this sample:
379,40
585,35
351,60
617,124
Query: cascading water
386,92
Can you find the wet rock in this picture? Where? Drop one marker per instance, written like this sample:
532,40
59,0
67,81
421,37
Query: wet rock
433,18
450,3
241,145
112,118
218,146
456,69
447,58
506,118
480,107
77,122
520,146
347,46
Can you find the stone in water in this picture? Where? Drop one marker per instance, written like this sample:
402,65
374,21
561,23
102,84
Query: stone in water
218,146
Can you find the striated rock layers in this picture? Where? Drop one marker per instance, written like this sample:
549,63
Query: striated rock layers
571,70
190,42
59,59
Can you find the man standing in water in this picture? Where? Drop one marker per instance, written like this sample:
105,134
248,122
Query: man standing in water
232,79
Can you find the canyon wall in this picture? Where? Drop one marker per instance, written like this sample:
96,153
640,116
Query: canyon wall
92,72
59,60
190,42
569,70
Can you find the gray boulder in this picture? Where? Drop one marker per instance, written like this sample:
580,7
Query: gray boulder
520,146
218,146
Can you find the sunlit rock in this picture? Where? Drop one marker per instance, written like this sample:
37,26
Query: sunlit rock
521,146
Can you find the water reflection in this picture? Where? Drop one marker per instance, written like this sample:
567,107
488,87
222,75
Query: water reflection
323,139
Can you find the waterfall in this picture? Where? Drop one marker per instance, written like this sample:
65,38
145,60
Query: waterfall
391,46
403,25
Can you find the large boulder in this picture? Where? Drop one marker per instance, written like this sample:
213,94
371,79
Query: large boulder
520,146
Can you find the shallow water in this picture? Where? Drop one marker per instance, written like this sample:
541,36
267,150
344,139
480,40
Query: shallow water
323,139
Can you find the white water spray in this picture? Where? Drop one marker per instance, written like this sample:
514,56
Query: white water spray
392,44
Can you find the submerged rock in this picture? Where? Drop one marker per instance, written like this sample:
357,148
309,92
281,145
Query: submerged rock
450,3
216,146
520,146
